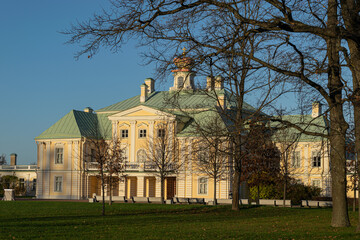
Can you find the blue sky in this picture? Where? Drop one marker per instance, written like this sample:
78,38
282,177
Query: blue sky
40,80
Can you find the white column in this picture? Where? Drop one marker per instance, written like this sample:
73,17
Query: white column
132,140
158,187
47,170
68,174
307,158
122,188
151,130
181,176
189,178
39,178
75,174
140,186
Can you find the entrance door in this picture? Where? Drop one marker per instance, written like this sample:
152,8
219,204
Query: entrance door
171,187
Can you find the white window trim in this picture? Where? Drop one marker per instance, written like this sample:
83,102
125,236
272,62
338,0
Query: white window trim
317,154
55,155
61,184
206,184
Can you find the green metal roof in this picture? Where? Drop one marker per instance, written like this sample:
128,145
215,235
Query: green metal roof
306,122
164,100
206,119
77,124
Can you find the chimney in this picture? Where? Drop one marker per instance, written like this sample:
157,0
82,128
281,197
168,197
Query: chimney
88,110
150,83
144,93
219,83
209,83
13,157
316,109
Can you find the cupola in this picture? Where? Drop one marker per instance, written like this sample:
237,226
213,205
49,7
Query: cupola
183,75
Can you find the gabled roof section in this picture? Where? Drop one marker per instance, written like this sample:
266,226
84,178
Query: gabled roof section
306,122
77,124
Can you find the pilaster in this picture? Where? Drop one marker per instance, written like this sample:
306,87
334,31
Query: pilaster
140,186
132,140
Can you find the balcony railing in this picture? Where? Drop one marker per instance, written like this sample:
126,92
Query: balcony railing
150,167
18,167
131,166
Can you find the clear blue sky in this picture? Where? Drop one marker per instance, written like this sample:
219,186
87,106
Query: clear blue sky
40,81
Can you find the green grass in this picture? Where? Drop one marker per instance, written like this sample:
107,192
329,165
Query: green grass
76,220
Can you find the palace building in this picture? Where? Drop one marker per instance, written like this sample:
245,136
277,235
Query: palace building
66,172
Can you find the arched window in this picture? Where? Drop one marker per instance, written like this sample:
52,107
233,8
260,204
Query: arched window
141,155
203,185
180,82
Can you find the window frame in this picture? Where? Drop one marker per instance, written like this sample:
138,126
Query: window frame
203,185
161,132
316,159
142,133
317,181
58,183
57,154
296,159
124,133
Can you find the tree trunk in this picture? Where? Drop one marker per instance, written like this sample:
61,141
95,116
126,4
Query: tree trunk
258,195
285,178
162,189
235,190
103,190
110,186
284,191
215,202
339,126
354,200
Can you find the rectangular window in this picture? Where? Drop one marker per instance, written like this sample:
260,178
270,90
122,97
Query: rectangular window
142,133
161,133
93,155
58,184
296,158
34,184
22,183
124,133
203,185
59,155
316,159
316,183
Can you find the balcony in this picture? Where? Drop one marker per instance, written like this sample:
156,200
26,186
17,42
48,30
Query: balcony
132,166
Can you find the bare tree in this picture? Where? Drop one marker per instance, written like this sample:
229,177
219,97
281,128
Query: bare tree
162,155
211,151
287,141
286,24
114,165
3,159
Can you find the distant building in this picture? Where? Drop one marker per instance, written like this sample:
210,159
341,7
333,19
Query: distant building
25,173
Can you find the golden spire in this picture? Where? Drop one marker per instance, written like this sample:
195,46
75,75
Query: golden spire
184,51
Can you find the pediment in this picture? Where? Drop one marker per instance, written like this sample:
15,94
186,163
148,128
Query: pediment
140,112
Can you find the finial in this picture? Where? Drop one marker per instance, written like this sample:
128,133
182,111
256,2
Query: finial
184,51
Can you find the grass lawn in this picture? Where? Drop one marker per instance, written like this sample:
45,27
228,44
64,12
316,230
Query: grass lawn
79,220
